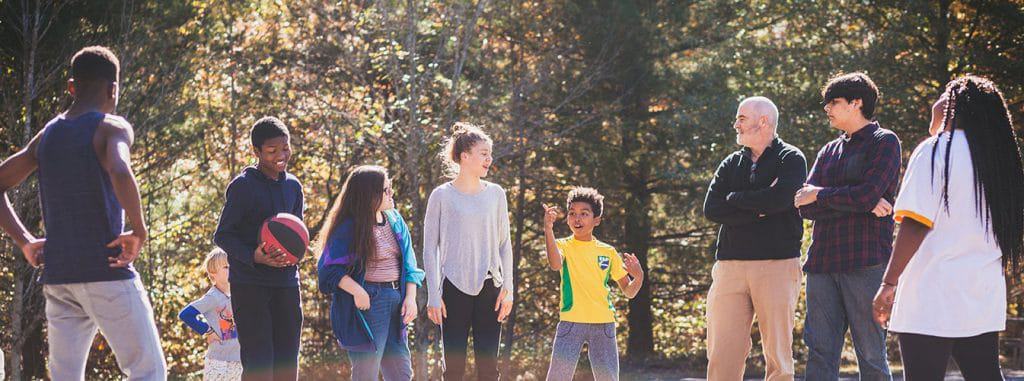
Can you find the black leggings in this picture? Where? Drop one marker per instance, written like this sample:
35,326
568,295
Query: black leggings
925,357
476,311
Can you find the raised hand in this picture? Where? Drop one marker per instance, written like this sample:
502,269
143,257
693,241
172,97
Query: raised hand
550,216
632,265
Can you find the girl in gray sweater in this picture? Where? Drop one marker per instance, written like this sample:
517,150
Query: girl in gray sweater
467,255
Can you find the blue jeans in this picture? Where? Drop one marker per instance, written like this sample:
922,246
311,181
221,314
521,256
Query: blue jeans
392,356
835,302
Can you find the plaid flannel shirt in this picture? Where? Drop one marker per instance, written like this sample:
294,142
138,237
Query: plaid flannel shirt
854,172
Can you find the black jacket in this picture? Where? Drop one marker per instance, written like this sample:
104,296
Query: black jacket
755,207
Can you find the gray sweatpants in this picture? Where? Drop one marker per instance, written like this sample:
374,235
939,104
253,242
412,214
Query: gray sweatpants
601,347
120,310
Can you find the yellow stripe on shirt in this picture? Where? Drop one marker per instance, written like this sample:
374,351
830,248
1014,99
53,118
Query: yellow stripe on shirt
914,216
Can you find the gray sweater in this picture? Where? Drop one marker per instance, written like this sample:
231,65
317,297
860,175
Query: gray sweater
465,238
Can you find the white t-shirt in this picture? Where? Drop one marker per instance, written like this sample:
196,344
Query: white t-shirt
953,286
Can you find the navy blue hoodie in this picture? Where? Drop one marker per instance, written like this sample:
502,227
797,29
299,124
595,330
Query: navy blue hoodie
251,198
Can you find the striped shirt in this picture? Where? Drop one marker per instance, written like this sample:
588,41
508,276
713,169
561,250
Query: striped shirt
384,265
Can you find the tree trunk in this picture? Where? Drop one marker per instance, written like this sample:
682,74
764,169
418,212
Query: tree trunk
637,233
519,226
942,33
413,158
637,205
28,347
16,320
638,229
26,314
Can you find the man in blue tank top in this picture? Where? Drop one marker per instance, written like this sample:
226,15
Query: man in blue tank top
86,188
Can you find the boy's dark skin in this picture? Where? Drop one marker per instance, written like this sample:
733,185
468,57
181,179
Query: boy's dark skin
272,159
112,142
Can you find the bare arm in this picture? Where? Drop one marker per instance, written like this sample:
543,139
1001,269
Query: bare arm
118,137
630,286
115,137
908,240
13,172
554,256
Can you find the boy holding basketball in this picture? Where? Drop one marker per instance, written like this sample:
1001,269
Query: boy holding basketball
264,283
586,266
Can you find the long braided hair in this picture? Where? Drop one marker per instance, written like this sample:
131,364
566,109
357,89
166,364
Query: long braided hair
977,107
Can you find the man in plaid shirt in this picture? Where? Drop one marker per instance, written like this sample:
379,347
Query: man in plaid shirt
849,195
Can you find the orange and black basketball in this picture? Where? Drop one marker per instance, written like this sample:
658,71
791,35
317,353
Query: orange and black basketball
287,232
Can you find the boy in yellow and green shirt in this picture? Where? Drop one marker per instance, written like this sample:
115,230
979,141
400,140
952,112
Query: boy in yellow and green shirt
586,266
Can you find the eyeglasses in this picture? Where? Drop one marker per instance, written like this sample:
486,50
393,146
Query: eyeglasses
753,172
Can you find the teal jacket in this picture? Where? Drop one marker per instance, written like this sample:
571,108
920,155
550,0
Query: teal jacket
347,321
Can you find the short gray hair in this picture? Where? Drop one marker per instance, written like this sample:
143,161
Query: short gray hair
763,107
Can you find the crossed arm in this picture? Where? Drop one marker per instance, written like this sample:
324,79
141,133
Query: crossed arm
817,202
717,209
776,198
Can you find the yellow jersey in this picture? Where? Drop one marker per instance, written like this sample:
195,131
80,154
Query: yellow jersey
587,268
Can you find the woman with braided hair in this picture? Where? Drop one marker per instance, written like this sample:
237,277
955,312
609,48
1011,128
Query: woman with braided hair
961,214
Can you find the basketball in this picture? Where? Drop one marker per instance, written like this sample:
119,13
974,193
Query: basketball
287,232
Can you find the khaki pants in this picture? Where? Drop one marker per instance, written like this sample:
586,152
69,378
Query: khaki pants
740,290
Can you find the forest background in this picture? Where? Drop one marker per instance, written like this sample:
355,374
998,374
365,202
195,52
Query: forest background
635,98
